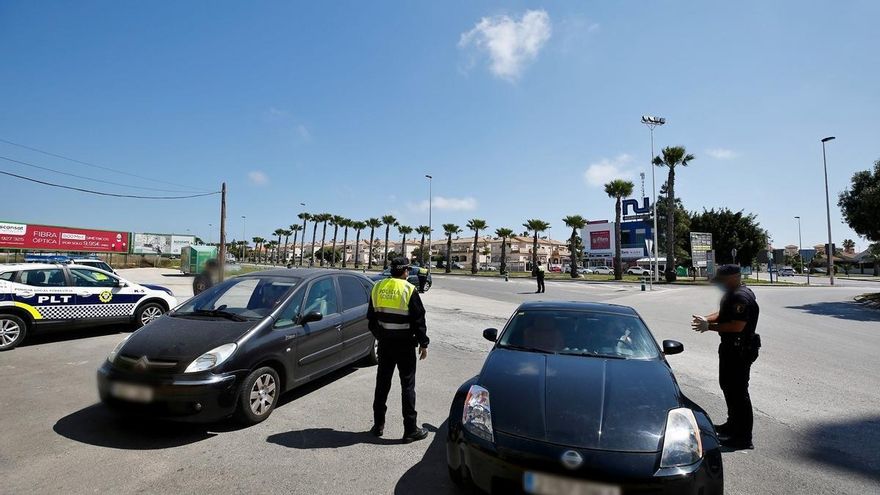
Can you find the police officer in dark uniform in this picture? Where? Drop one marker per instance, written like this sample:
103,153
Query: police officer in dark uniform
539,273
397,319
735,321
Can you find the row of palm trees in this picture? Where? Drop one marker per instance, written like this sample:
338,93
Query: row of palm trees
617,189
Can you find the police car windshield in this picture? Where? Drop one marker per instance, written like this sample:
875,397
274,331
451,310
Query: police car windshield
250,298
579,333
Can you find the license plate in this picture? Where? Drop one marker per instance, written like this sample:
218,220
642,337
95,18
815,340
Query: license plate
550,484
132,393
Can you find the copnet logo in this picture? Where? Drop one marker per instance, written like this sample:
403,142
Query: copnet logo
13,228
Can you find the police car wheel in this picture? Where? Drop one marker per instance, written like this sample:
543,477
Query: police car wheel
427,286
147,313
12,331
257,396
373,357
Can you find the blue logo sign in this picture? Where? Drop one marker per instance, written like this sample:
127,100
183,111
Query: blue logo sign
643,209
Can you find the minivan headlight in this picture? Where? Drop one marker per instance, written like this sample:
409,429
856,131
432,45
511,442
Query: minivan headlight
477,415
211,358
112,356
682,444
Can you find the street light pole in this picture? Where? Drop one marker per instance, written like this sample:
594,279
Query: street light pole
430,227
243,238
653,122
801,249
829,251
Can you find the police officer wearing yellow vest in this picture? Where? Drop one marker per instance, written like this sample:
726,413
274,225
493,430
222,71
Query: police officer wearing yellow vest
422,273
397,320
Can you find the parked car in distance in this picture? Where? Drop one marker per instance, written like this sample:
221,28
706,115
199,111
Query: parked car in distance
488,268
413,278
235,348
602,270
637,270
787,271
577,397
585,271
554,268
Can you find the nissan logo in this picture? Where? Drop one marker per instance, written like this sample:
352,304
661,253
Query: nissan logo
572,459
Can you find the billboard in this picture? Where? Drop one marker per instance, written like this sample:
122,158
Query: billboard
701,243
52,238
600,239
147,243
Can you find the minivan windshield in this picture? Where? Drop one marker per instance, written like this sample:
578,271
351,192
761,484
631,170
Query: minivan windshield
580,333
240,298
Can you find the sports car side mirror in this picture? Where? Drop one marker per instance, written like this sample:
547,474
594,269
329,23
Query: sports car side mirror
490,334
671,347
310,317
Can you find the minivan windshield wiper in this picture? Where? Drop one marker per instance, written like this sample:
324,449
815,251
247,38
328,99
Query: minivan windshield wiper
592,354
525,348
212,312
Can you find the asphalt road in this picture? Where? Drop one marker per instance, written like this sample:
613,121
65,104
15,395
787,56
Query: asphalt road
815,387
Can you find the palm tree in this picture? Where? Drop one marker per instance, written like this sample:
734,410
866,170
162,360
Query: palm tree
295,228
503,233
287,234
618,189
258,242
336,221
358,226
476,225
270,250
673,156
314,218
324,218
373,223
345,223
450,229
388,220
576,222
536,226
242,251
423,230
404,230
305,217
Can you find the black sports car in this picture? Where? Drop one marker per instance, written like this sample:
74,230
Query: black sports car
235,348
578,398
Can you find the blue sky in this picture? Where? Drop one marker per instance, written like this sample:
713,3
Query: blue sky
518,109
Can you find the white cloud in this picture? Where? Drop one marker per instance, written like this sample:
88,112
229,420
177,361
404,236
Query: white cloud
605,170
510,44
443,203
721,153
258,178
303,132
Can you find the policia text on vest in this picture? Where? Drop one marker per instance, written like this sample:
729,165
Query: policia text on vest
397,319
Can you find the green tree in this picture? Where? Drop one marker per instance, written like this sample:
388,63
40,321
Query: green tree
388,220
404,231
537,226
423,230
859,205
358,226
258,247
682,226
731,230
373,224
345,223
476,225
287,234
504,234
305,217
278,233
450,229
576,222
315,221
672,157
618,189
296,229
336,222
324,218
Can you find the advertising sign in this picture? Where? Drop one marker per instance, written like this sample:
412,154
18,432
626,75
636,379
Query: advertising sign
600,239
701,242
147,243
47,237
632,210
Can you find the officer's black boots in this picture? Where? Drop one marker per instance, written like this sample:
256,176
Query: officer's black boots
415,435
377,430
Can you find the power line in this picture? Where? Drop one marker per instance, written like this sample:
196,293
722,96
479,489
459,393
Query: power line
84,177
101,193
102,167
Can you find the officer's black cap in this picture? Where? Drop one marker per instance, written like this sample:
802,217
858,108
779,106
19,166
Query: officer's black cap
399,263
724,271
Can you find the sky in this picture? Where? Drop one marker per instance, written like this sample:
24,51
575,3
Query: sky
517,109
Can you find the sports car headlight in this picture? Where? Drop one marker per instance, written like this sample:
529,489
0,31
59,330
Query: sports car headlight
477,415
112,356
211,358
682,444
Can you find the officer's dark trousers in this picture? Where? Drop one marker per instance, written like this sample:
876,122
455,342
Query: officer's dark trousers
540,283
733,375
422,282
403,356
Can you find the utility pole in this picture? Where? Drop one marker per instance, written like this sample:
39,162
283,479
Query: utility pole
829,251
653,122
430,227
222,252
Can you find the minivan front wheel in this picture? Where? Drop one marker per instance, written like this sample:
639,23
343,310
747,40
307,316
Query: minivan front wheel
258,396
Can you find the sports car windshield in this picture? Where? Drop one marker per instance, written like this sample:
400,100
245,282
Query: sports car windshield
240,299
579,333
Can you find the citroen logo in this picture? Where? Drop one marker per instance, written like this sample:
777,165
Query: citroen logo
142,363
572,459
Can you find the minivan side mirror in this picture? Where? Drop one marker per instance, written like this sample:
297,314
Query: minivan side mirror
671,347
490,334
310,317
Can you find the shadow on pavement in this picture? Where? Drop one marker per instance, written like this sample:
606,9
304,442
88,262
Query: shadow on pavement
429,475
49,336
97,425
849,446
845,310
326,438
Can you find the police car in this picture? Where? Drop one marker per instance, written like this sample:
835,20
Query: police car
44,295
